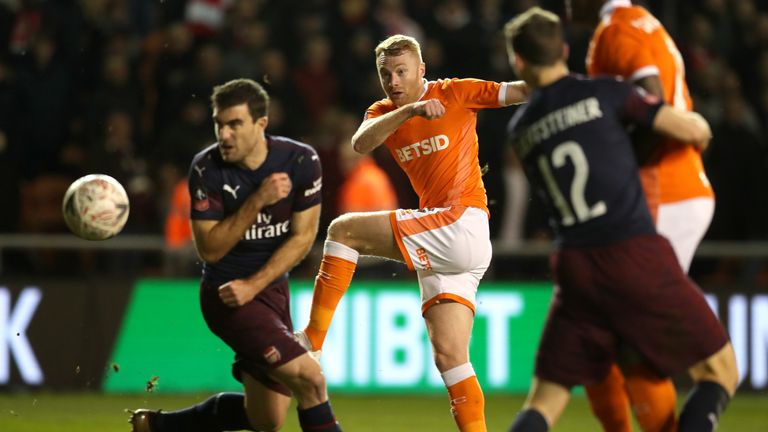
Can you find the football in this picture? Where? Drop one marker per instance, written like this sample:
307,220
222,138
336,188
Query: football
95,207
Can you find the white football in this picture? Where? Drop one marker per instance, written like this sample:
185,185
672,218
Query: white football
95,207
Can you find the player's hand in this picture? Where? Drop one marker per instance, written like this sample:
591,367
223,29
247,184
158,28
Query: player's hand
430,109
274,188
706,132
237,292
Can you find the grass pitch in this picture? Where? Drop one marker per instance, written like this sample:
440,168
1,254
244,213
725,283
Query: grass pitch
91,412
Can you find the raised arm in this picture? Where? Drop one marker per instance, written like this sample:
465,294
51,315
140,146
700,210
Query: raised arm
215,238
373,132
685,126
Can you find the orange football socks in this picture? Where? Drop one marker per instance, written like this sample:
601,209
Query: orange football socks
467,401
653,400
332,281
609,402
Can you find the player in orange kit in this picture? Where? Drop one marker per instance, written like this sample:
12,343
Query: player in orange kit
429,128
630,42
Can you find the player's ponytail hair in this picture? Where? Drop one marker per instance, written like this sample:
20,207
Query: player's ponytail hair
241,91
397,45
536,36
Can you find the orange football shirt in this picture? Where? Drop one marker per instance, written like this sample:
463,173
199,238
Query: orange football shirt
440,156
631,43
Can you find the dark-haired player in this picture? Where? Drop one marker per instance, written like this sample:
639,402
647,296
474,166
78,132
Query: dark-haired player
631,43
255,211
617,281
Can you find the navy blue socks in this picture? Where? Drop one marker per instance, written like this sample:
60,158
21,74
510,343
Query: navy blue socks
222,412
701,412
319,418
529,420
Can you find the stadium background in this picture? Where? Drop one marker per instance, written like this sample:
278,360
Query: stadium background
121,87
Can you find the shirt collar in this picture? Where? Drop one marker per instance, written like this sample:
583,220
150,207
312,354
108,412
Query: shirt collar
424,89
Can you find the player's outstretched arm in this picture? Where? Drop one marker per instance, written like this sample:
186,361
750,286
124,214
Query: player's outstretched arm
303,232
214,239
517,92
373,132
685,126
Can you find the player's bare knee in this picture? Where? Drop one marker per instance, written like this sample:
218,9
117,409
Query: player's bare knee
447,357
341,230
311,384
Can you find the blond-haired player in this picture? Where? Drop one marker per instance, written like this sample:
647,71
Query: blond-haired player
429,128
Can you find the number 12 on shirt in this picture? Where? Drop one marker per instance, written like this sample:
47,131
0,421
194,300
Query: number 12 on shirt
584,212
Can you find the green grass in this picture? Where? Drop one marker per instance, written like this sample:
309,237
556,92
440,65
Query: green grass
90,412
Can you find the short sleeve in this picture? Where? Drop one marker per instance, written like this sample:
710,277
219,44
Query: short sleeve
205,190
378,109
308,180
474,93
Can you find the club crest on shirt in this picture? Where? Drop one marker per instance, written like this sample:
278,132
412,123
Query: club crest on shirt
272,355
200,202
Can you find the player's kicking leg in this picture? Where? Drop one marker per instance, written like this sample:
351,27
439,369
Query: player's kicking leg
349,236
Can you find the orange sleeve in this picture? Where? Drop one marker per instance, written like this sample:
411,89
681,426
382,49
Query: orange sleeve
474,93
622,51
378,108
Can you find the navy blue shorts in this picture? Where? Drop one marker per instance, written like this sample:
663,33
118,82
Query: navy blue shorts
259,332
631,293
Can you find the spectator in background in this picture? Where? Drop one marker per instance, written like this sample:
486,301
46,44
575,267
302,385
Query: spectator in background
180,255
278,81
114,152
249,42
43,106
736,148
366,187
175,64
393,19
91,39
187,135
116,90
316,68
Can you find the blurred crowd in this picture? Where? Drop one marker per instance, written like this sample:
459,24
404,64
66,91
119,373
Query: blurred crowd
122,86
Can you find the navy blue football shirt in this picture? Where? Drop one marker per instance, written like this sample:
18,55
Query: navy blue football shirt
573,141
218,189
